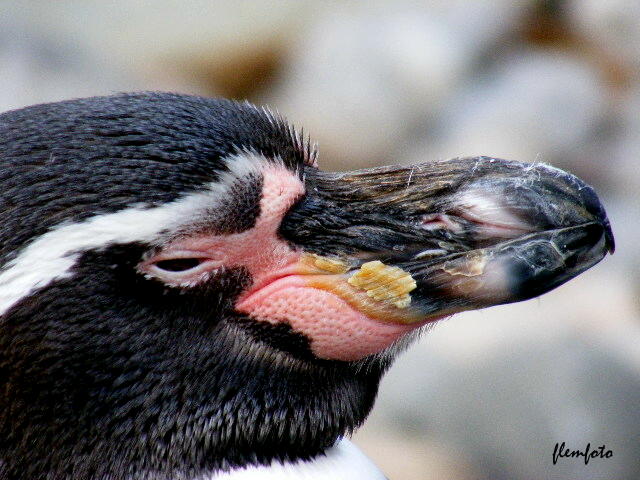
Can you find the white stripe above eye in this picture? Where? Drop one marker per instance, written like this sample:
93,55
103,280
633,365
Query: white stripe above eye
52,255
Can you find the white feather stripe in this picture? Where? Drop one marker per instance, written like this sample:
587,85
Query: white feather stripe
52,255
344,461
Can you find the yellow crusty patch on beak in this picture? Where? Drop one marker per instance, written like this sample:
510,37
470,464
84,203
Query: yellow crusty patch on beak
384,283
329,265
379,291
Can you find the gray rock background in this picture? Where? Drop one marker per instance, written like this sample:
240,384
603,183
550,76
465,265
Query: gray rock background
485,395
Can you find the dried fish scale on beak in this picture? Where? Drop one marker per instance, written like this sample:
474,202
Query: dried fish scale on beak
384,283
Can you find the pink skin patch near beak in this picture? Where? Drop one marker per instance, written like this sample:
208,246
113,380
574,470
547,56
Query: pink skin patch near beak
337,330
340,321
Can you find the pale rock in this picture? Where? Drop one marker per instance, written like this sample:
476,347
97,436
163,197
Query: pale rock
360,78
535,106
613,25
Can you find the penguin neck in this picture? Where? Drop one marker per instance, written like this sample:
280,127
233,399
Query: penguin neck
239,404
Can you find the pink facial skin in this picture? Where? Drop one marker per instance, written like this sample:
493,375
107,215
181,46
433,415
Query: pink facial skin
337,330
280,292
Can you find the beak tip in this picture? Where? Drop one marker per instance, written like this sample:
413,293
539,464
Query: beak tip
608,236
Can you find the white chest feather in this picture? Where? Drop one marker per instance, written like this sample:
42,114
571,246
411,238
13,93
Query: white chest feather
342,462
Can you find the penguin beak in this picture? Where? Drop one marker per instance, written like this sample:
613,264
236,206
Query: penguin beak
420,242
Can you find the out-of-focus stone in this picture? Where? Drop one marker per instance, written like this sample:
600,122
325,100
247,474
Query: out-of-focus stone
356,78
620,154
38,68
612,24
535,106
363,77
44,65
228,47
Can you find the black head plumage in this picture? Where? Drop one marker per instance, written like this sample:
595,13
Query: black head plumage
135,229
103,373
69,160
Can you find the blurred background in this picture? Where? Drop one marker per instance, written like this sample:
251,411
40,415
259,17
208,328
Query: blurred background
485,395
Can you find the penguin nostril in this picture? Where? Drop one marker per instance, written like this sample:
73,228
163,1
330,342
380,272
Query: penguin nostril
439,221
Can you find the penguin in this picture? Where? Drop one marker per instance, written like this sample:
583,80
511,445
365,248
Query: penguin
185,295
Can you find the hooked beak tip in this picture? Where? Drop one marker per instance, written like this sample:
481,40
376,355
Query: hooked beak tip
608,236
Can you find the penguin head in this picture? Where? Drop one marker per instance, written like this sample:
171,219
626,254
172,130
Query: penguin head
183,290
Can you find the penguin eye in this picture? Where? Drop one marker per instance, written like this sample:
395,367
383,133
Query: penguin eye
178,264
179,268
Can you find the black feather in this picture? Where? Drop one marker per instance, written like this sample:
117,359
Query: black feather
105,373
